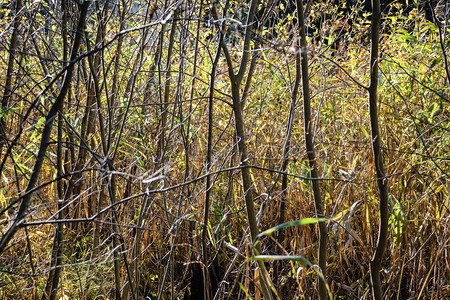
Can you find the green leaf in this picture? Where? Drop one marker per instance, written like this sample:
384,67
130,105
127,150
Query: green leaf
433,108
305,221
245,291
435,62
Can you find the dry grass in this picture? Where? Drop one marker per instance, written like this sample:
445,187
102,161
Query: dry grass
416,138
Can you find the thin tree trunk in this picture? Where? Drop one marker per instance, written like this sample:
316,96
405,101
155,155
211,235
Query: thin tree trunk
58,243
285,161
441,40
375,264
162,143
208,167
319,205
118,241
247,182
9,76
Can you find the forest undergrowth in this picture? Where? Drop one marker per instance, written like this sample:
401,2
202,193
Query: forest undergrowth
125,172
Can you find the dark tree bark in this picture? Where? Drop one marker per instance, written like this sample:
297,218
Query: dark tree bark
247,182
51,287
9,76
208,168
323,239
375,264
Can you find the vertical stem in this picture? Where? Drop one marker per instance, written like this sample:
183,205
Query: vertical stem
9,75
319,205
375,264
117,238
285,162
247,182
208,167
441,41
162,143
58,246
12,52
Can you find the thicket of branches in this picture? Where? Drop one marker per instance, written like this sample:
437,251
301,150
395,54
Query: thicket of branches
147,147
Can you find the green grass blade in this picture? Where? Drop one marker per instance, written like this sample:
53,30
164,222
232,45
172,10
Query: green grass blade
304,221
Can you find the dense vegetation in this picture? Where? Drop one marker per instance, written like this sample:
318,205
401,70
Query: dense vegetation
165,136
